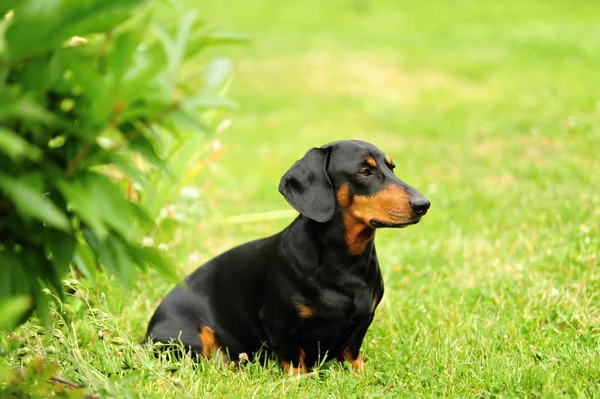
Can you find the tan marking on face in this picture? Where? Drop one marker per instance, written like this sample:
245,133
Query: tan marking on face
390,205
209,341
304,311
300,367
358,234
356,363
343,196
388,160
371,161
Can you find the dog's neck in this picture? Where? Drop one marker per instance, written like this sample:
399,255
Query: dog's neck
334,244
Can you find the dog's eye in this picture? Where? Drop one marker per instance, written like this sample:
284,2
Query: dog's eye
392,166
365,172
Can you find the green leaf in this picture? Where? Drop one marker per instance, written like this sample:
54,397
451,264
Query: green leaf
85,261
23,106
202,40
16,147
97,110
14,311
146,256
98,15
34,77
4,51
111,203
145,147
147,64
174,48
62,246
114,255
33,28
120,58
188,121
37,263
42,305
143,217
217,73
99,203
15,281
126,165
31,204
8,5
27,108
82,202
220,38
167,46
206,101
44,24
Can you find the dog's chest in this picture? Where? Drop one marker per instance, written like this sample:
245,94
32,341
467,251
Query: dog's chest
339,309
338,318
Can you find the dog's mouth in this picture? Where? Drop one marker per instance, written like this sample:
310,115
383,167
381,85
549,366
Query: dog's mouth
381,224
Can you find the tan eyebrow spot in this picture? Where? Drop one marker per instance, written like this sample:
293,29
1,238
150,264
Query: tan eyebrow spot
388,160
371,161
304,311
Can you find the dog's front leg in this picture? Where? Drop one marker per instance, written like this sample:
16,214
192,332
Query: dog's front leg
351,353
282,334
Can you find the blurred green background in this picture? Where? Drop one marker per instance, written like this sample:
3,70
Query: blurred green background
488,108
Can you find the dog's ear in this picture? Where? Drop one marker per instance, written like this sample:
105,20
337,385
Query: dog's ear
307,187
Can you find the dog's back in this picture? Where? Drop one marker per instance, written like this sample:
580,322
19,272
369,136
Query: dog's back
223,295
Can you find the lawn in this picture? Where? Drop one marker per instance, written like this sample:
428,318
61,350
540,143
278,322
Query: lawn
489,108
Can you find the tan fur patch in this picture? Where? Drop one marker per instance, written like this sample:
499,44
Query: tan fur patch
296,369
390,205
343,195
371,161
375,300
304,311
356,363
209,341
358,234
388,160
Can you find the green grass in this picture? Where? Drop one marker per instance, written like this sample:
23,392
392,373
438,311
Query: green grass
490,109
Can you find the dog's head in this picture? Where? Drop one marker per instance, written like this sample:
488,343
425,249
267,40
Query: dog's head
355,178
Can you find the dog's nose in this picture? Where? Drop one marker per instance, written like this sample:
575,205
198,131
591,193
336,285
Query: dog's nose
420,205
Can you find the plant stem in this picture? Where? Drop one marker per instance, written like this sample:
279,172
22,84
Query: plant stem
77,158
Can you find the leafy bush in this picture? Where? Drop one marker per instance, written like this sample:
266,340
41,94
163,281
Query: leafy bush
97,109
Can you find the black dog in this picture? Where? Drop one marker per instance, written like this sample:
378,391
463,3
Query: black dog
309,292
